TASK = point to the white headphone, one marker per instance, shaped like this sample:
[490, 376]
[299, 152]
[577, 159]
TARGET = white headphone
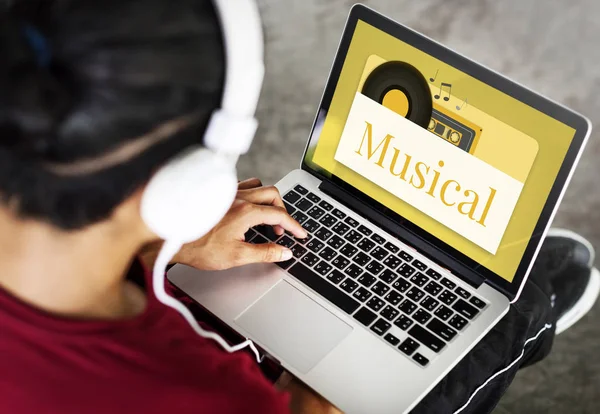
[192, 193]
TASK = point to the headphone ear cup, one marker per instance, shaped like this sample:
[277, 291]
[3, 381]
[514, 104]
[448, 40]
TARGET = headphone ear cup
[187, 197]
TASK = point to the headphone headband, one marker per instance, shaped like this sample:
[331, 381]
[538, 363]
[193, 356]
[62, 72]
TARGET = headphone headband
[233, 127]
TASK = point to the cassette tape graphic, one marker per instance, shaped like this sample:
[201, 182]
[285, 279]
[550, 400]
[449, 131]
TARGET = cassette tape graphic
[401, 88]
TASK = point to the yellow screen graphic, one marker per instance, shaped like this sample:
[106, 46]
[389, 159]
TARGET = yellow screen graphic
[505, 133]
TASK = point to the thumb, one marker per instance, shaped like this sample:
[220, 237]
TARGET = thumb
[263, 253]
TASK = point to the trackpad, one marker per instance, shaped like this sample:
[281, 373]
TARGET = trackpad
[293, 326]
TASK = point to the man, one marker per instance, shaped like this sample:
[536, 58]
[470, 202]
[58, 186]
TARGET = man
[80, 333]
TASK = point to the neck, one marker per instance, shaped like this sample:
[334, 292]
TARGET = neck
[78, 274]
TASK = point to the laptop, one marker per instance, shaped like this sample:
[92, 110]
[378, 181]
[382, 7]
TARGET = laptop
[427, 186]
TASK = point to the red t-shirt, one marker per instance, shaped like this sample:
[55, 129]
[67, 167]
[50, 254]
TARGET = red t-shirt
[153, 363]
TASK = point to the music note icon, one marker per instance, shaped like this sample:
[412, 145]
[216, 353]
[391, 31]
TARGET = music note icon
[434, 76]
[444, 85]
[466, 102]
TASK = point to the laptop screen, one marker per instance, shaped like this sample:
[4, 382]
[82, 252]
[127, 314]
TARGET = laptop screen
[458, 158]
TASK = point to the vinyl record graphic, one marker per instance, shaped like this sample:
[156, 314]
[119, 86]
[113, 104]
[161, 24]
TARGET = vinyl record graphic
[403, 89]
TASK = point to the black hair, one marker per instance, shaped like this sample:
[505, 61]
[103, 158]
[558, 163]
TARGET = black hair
[117, 70]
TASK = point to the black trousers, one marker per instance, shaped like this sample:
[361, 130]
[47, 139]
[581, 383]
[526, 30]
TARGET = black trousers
[523, 337]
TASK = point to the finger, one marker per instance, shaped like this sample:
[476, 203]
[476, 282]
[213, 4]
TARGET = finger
[249, 183]
[263, 195]
[262, 253]
[254, 215]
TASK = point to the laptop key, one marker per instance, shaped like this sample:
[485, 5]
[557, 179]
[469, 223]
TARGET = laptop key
[401, 285]
[419, 265]
[409, 346]
[389, 313]
[365, 316]
[443, 312]
[268, 232]
[300, 217]
[249, 235]
[405, 256]
[353, 236]
[310, 259]
[288, 207]
[407, 307]
[393, 297]
[301, 189]
[403, 322]
[366, 280]
[380, 288]
[374, 267]
[340, 228]
[349, 285]
[258, 239]
[458, 322]
[286, 264]
[392, 248]
[324, 288]
[339, 214]
[462, 293]
[361, 258]
[433, 288]
[292, 197]
[387, 276]
[426, 338]
[419, 279]
[379, 253]
[415, 294]
[340, 262]
[447, 297]
[448, 283]
[310, 225]
[325, 205]
[421, 316]
[477, 302]
[392, 262]
[323, 267]
[465, 309]
[429, 303]
[421, 360]
[323, 233]
[327, 254]
[375, 303]
[353, 271]
[298, 251]
[406, 270]
[362, 294]
[365, 230]
[381, 326]
[327, 220]
[348, 250]
[335, 242]
[312, 197]
[366, 245]
[391, 339]
[336, 277]
[378, 239]
[315, 245]
[303, 205]
[316, 212]
[351, 222]
[441, 329]
[433, 274]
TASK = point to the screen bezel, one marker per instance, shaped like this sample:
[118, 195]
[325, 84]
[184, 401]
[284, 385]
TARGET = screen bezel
[579, 123]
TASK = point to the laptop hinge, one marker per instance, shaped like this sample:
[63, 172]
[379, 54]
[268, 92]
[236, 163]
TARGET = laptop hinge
[402, 233]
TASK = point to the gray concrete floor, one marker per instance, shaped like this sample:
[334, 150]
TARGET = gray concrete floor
[548, 45]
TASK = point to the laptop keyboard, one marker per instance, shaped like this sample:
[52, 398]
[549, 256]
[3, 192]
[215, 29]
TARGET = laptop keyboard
[370, 278]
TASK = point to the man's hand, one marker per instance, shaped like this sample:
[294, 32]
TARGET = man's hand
[303, 399]
[224, 246]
